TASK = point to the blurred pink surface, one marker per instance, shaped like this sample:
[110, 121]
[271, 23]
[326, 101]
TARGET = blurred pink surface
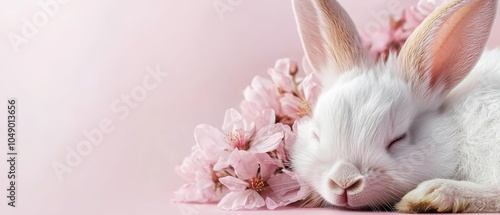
[67, 77]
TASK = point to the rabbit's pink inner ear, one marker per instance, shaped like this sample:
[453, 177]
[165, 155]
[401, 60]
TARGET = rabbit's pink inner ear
[448, 44]
[460, 42]
[329, 36]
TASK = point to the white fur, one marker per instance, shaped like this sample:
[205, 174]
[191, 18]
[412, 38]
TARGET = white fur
[474, 107]
[452, 143]
[355, 120]
[365, 109]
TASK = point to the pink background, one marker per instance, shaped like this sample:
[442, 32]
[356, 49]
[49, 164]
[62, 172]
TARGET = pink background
[91, 52]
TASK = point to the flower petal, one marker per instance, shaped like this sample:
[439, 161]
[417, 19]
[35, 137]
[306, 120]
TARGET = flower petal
[267, 165]
[264, 118]
[232, 120]
[288, 141]
[196, 192]
[189, 193]
[223, 161]
[210, 140]
[244, 163]
[284, 189]
[310, 88]
[234, 184]
[196, 162]
[263, 93]
[249, 109]
[247, 199]
[290, 105]
[267, 139]
[281, 74]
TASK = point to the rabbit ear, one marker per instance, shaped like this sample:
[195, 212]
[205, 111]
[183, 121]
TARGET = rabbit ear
[329, 36]
[448, 44]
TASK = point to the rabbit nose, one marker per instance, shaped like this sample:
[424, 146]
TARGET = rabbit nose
[345, 177]
[352, 186]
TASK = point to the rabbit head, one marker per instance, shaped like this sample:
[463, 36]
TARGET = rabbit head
[364, 146]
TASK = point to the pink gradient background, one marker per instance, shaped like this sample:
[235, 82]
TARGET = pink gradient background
[93, 51]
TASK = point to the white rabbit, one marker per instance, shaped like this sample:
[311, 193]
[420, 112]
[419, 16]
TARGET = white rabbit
[421, 130]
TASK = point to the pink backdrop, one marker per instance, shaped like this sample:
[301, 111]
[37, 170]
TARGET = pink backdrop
[81, 61]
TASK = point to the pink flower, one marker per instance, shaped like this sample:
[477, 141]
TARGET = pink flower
[413, 17]
[294, 97]
[299, 104]
[392, 37]
[256, 185]
[189, 163]
[202, 190]
[266, 139]
[261, 95]
[293, 106]
[210, 155]
[310, 88]
[284, 189]
[380, 39]
[283, 73]
[202, 186]
[284, 148]
[252, 171]
[210, 141]
[238, 133]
